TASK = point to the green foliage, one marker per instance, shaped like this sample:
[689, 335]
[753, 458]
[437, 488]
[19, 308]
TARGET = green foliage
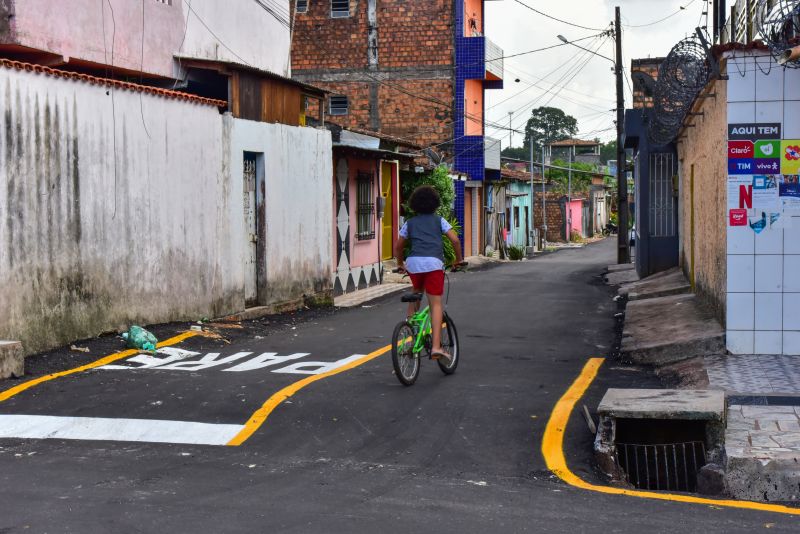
[575, 236]
[608, 151]
[547, 125]
[581, 182]
[440, 179]
[516, 252]
[520, 153]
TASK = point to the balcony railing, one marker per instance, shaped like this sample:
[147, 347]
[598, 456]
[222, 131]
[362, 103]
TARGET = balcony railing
[494, 60]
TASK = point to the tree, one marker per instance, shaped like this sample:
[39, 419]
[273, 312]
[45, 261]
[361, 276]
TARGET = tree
[516, 153]
[547, 125]
[608, 151]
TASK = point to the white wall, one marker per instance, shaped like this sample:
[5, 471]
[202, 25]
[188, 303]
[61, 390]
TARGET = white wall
[247, 33]
[298, 171]
[115, 208]
[763, 268]
[113, 31]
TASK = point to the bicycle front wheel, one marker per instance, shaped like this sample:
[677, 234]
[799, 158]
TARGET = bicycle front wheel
[449, 344]
[404, 361]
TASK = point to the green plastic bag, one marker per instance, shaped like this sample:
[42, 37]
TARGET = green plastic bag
[139, 338]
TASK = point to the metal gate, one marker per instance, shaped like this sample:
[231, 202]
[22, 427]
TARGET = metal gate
[671, 466]
[251, 229]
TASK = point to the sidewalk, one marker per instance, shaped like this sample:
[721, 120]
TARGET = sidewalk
[667, 327]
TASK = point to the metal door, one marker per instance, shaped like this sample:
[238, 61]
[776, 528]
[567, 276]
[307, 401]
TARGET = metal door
[251, 229]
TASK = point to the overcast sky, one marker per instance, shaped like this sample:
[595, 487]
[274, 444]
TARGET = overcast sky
[589, 96]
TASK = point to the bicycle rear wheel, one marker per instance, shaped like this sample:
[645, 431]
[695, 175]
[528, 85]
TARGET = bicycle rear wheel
[449, 344]
[404, 361]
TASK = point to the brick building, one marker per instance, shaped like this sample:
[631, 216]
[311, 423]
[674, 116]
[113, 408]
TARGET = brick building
[413, 69]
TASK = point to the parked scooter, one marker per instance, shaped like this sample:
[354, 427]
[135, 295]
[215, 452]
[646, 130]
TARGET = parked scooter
[610, 229]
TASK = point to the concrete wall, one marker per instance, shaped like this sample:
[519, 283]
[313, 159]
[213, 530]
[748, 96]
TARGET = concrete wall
[701, 154]
[118, 207]
[111, 32]
[298, 213]
[115, 208]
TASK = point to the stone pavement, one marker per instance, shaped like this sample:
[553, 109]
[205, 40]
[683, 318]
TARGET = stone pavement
[762, 438]
[742, 374]
[762, 444]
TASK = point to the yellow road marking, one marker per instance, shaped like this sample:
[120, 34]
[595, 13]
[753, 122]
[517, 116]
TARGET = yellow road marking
[260, 415]
[7, 394]
[553, 452]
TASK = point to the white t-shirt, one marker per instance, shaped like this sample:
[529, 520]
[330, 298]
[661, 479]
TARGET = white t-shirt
[424, 264]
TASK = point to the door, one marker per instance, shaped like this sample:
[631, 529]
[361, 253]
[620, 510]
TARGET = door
[387, 223]
[251, 229]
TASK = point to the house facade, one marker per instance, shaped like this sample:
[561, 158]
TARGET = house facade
[428, 89]
[183, 186]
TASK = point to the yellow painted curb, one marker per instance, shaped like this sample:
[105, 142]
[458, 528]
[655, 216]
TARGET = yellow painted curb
[260, 415]
[553, 452]
[7, 394]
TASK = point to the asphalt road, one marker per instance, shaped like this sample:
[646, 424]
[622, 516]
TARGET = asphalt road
[353, 452]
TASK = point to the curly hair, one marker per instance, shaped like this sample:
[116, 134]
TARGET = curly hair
[424, 200]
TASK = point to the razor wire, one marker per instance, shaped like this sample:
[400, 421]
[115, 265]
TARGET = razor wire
[681, 77]
[779, 25]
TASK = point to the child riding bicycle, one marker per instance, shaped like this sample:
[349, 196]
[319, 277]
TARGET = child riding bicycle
[425, 262]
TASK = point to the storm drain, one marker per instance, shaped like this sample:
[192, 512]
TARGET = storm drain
[671, 466]
[660, 439]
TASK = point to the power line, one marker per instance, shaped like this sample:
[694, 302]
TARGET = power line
[557, 19]
[680, 8]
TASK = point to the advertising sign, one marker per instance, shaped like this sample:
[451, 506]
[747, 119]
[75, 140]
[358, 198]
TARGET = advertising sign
[790, 156]
[768, 149]
[741, 166]
[738, 217]
[765, 193]
[754, 131]
[767, 166]
[740, 149]
[740, 192]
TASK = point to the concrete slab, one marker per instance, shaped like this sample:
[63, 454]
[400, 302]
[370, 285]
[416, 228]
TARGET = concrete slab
[669, 329]
[684, 404]
[12, 359]
[616, 267]
[671, 282]
[621, 277]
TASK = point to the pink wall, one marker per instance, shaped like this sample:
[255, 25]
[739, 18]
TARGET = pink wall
[473, 9]
[76, 29]
[364, 252]
[473, 96]
[577, 216]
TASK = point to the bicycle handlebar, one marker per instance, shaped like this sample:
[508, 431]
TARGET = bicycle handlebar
[455, 268]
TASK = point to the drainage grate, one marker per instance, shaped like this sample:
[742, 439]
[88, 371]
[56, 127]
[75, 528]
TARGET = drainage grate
[671, 466]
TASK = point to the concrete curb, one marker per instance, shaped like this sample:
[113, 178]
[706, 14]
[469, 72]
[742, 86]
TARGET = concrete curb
[12, 359]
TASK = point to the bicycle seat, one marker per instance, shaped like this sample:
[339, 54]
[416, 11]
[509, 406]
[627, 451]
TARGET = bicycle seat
[411, 297]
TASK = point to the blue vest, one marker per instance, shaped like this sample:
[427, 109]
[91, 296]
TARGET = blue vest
[425, 233]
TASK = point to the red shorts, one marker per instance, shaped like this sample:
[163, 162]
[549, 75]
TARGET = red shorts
[431, 282]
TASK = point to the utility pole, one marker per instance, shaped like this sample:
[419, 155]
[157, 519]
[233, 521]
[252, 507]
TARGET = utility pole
[569, 195]
[623, 252]
[510, 130]
[544, 203]
[529, 229]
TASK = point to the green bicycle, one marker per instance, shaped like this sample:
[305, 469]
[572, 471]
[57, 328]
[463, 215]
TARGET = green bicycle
[412, 338]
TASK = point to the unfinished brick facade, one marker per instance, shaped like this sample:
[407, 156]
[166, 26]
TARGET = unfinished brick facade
[554, 207]
[642, 95]
[398, 72]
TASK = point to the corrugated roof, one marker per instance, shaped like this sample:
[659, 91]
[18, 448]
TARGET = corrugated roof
[107, 82]
[574, 142]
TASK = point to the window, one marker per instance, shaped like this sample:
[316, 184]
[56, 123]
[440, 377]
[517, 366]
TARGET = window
[365, 228]
[302, 6]
[340, 9]
[516, 216]
[338, 105]
[165, 2]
